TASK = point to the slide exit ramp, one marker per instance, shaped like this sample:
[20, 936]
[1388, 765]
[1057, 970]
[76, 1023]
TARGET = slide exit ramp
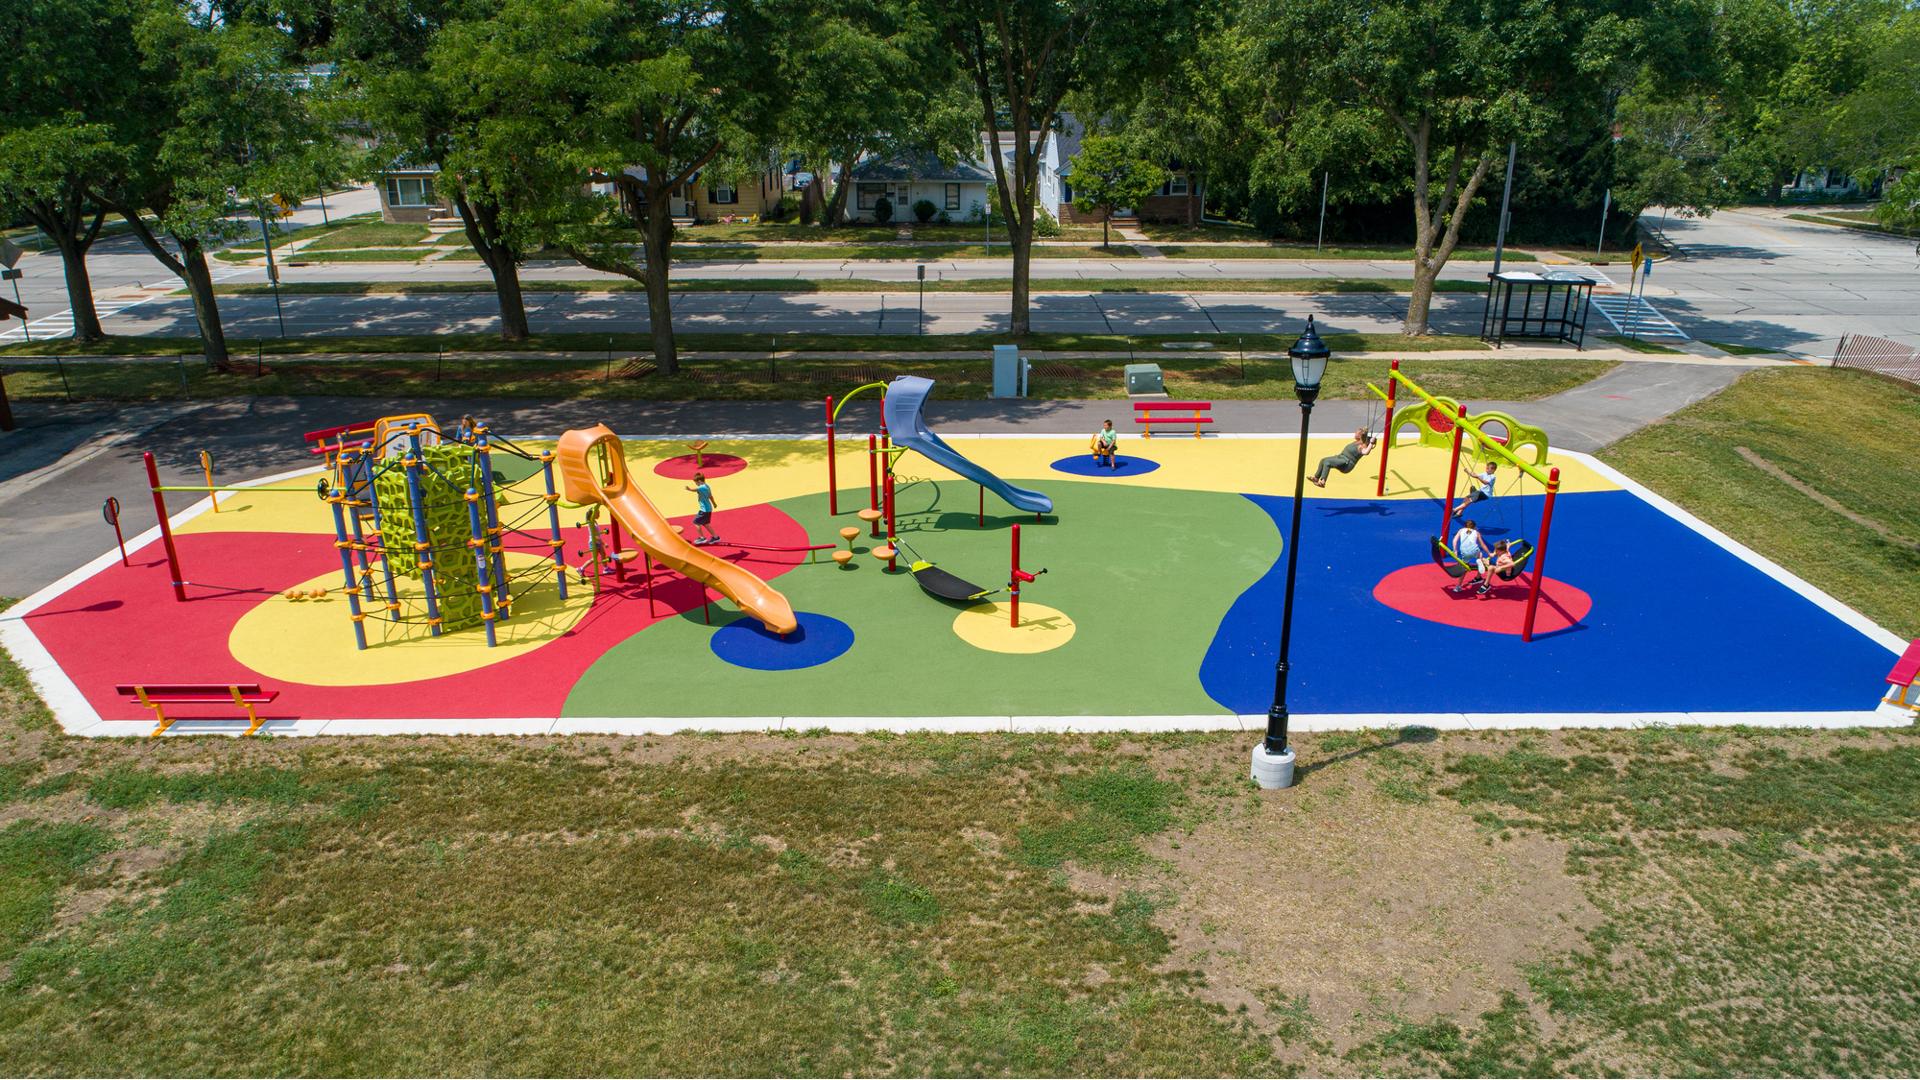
[905, 398]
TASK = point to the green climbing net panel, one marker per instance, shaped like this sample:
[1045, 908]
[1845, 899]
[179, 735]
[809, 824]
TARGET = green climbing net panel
[444, 486]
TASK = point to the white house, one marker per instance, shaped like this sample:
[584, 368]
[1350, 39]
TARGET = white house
[961, 191]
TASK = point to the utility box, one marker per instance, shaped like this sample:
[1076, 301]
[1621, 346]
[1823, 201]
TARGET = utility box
[1009, 372]
[1143, 379]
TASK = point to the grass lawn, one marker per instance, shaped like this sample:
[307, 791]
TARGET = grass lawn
[367, 234]
[1864, 220]
[1640, 345]
[862, 285]
[1149, 344]
[1638, 902]
[1825, 486]
[804, 378]
[907, 252]
[1738, 350]
[355, 255]
[1305, 251]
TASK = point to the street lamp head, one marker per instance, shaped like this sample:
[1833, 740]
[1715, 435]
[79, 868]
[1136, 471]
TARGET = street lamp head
[1309, 357]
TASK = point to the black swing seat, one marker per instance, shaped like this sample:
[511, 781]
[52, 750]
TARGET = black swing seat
[941, 585]
[1456, 567]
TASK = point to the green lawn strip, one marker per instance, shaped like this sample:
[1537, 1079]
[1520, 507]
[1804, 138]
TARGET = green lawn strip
[1640, 345]
[1143, 345]
[788, 378]
[896, 624]
[1860, 540]
[366, 234]
[357, 255]
[1737, 349]
[861, 285]
[1864, 223]
[1302, 251]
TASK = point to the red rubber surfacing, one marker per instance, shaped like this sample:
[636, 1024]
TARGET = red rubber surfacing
[683, 468]
[122, 625]
[1421, 591]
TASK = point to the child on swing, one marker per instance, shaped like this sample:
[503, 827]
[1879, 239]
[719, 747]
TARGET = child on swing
[1346, 459]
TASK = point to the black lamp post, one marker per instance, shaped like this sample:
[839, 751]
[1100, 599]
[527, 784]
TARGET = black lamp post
[1272, 760]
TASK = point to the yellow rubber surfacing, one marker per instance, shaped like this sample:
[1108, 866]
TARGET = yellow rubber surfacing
[989, 626]
[311, 641]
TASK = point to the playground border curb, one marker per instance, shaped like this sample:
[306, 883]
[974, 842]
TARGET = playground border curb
[78, 717]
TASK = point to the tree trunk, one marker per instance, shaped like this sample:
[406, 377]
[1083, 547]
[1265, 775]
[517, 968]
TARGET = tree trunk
[1021, 240]
[1421, 299]
[506, 285]
[1106, 237]
[482, 227]
[659, 235]
[836, 209]
[73, 260]
[206, 307]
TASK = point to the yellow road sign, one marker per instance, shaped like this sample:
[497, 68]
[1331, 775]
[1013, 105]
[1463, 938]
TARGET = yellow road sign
[1637, 258]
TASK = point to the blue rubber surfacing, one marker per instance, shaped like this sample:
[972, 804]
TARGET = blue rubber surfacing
[1084, 465]
[745, 643]
[1678, 624]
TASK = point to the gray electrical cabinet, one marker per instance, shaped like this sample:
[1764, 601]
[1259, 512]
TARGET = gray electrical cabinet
[1009, 372]
[1144, 379]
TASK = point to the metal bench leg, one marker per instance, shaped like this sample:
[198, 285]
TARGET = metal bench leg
[252, 716]
[160, 715]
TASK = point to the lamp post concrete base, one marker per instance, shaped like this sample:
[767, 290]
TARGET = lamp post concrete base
[1272, 770]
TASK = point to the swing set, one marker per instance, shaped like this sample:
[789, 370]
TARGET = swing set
[1486, 448]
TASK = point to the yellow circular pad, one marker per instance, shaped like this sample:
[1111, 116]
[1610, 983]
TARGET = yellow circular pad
[987, 626]
[312, 641]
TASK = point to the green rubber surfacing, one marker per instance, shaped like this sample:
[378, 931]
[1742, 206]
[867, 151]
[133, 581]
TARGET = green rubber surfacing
[1146, 574]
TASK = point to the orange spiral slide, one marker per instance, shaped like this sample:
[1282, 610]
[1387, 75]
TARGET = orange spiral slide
[593, 469]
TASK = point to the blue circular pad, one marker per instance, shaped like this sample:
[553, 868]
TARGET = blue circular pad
[745, 643]
[1083, 465]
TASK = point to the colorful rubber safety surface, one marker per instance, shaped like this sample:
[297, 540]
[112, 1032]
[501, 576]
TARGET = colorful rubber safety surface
[1160, 607]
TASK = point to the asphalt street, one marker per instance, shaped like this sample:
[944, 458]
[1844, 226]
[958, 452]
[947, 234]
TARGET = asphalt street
[1747, 277]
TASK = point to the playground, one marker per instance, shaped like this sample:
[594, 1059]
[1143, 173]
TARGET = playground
[404, 576]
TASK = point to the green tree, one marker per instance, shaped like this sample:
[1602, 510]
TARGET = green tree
[64, 84]
[1876, 126]
[639, 96]
[223, 127]
[869, 78]
[1441, 86]
[405, 75]
[1024, 57]
[1109, 173]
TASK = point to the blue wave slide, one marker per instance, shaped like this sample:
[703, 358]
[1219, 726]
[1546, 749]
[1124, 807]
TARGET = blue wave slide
[905, 397]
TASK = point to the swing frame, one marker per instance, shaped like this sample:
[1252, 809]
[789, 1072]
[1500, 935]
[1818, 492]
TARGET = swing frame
[1462, 426]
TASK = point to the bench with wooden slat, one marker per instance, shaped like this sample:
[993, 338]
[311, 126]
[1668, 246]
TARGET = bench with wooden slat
[1148, 413]
[157, 696]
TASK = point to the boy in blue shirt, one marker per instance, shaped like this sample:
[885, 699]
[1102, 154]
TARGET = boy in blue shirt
[703, 518]
[1470, 548]
[1482, 488]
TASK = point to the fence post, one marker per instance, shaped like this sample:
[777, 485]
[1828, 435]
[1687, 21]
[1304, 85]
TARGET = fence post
[64, 385]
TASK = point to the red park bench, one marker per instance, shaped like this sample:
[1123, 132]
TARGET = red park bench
[157, 696]
[1147, 413]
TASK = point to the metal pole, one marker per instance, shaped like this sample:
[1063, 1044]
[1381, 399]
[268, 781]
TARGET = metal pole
[1453, 471]
[1540, 554]
[337, 499]
[1606, 203]
[1276, 742]
[273, 272]
[873, 480]
[1386, 434]
[166, 528]
[1500, 241]
[26, 328]
[323, 205]
[555, 541]
[833, 483]
[1324, 185]
[1013, 579]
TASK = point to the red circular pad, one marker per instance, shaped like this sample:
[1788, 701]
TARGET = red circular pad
[683, 467]
[1421, 591]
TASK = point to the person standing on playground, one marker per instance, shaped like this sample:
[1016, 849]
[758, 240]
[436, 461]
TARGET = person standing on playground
[1482, 488]
[703, 518]
[1106, 446]
[1346, 459]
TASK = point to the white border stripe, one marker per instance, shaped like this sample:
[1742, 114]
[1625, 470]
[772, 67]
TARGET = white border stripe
[78, 717]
